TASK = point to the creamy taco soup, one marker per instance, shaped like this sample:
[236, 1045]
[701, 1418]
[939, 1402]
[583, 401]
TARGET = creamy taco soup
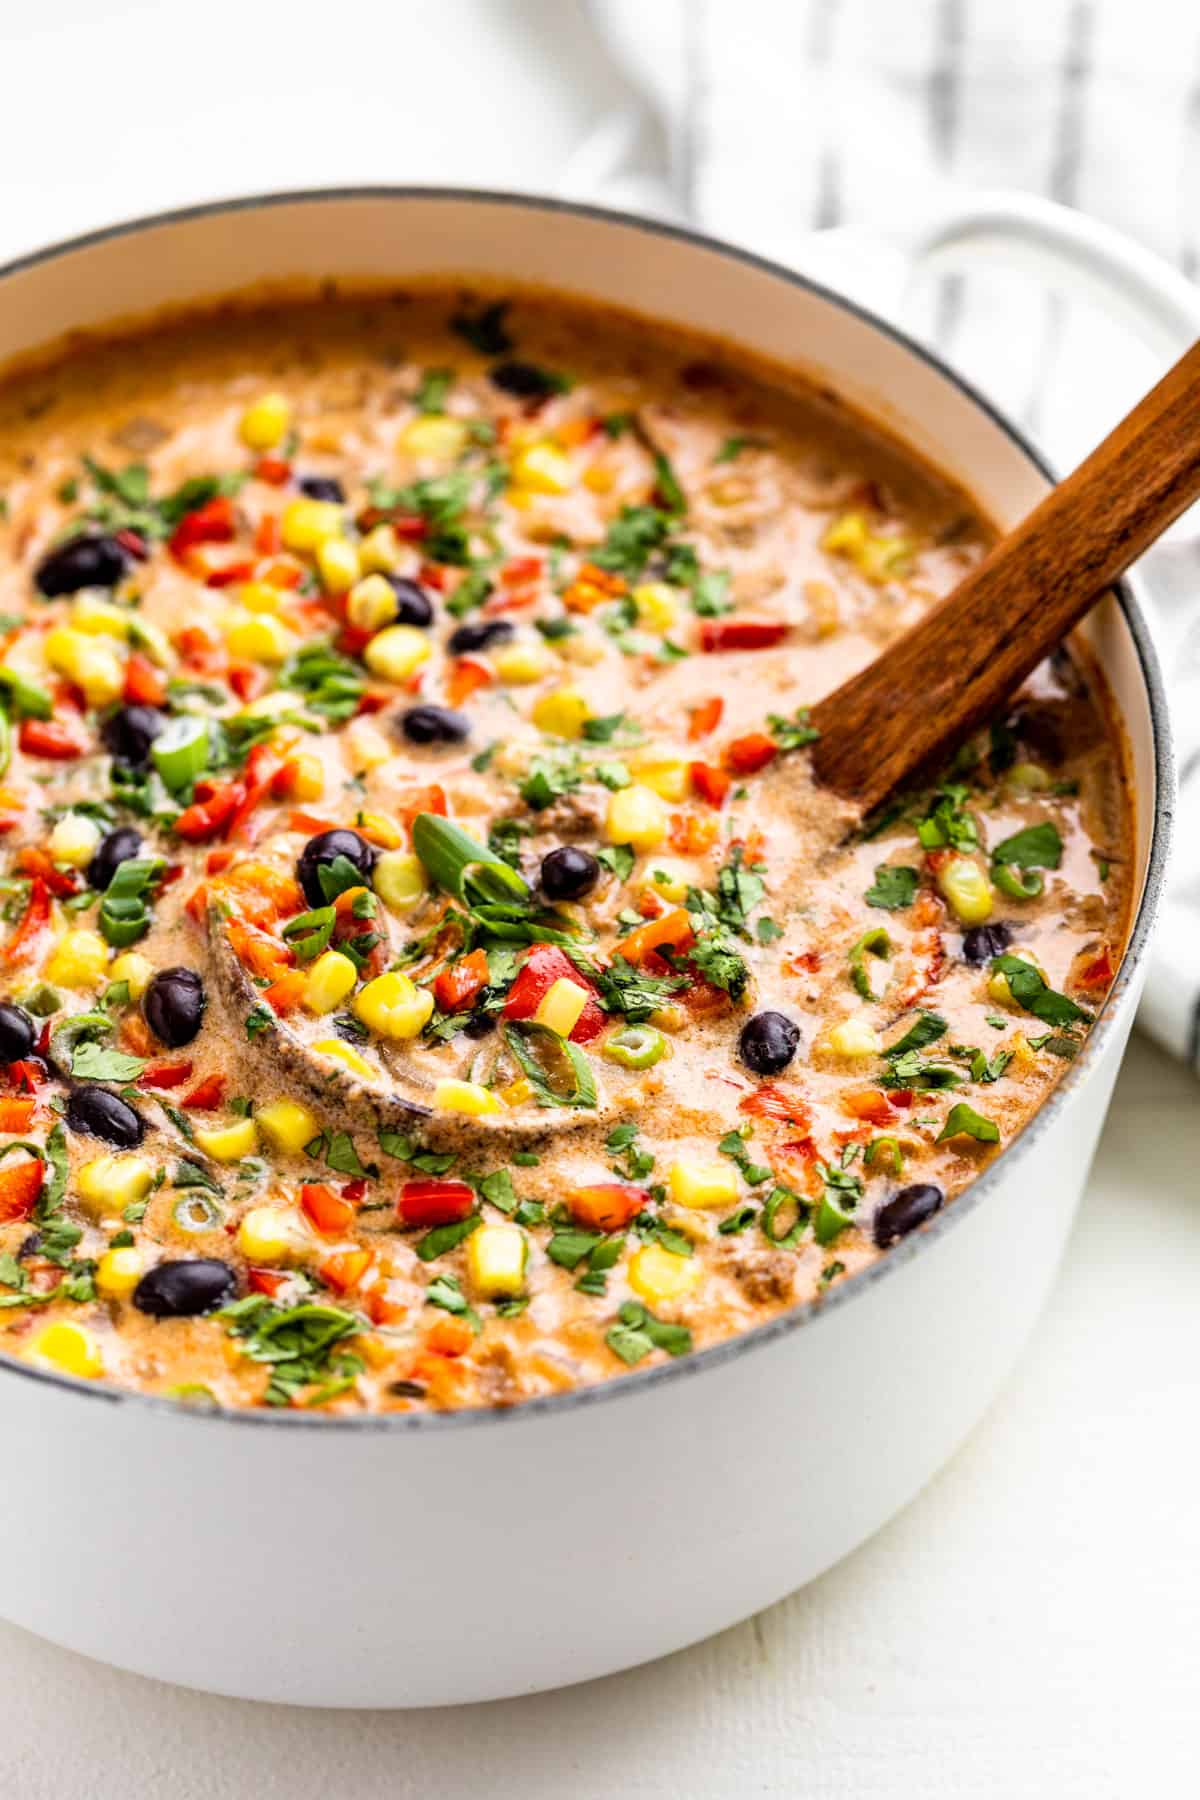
[430, 977]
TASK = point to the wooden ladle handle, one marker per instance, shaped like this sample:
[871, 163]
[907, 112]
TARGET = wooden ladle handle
[954, 669]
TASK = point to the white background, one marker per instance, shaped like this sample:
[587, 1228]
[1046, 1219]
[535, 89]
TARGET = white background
[1031, 1625]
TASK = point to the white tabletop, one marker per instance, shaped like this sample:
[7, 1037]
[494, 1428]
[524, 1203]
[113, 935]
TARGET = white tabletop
[1031, 1625]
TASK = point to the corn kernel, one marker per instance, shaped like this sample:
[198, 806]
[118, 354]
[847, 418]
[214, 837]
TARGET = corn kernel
[229, 1143]
[668, 777]
[703, 1184]
[518, 1092]
[584, 647]
[658, 1276]
[669, 1018]
[465, 1097]
[257, 637]
[371, 603]
[365, 747]
[1023, 1053]
[848, 534]
[560, 1006]
[307, 523]
[392, 1006]
[338, 565]
[670, 881]
[286, 1125]
[964, 884]
[99, 618]
[261, 597]
[305, 777]
[349, 1058]
[657, 605]
[563, 713]
[854, 1037]
[136, 970]
[78, 960]
[380, 552]
[266, 422]
[394, 654]
[67, 1348]
[543, 469]
[328, 982]
[74, 840]
[521, 664]
[272, 1235]
[110, 1183]
[998, 988]
[87, 661]
[118, 1272]
[496, 1258]
[382, 829]
[636, 816]
[601, 478]
[433, 435]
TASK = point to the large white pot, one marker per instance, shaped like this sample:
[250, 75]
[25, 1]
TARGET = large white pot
[412, 1561]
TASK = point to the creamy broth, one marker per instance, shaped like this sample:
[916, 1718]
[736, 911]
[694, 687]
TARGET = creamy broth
[597, 1034]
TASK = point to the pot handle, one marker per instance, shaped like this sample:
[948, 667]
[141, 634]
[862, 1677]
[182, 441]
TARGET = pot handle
[1065, 249]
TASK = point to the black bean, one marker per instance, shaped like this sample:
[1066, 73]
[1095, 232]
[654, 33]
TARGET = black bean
[173, 1006]
[524, 379]
[569, 873]
[18, 1033]
[326, 848]
[435, 725]
[118, 847]
[982, 942]
[103, 1115]
[905, 1211]
[321, 487]
[767, 1042]
[128, 734]
[479, 1025]
[90, 560]
[477, 634]
[180, 1290]
[413, 605]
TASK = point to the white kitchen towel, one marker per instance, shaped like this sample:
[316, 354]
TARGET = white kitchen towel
[765, 121]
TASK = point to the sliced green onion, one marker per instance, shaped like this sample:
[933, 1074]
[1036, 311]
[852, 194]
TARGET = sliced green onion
[27, 700]
[194, 1211]
[309, 934]
[635, 1046]
[884, 1147]
[875, 942]
[832, 1218]
[584, 1093]
[5, 742]
[463, 866]
[181, 751]
[776, 1201]
[124, 915]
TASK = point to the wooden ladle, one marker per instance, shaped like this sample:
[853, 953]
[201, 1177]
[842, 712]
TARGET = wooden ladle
[954, 669]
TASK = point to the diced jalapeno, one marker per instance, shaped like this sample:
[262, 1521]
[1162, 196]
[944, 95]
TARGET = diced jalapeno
[635, 1046]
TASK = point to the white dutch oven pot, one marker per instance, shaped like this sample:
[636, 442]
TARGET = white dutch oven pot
[414, 1561]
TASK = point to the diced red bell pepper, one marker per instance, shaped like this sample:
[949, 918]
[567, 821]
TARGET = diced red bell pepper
[213, 523]
[211, 812]
[773, 1102]
[144, 684]
[434, 1202]
[268, 537]
[457, 986]
[706, 717]
[354, 1190]
[464, 677]
[285, 994]
[16, 1115]
[673, 930]
[47, 737]
[26, 1074]
[20, 1186]
[747, 755]
[134, 542]
[33, 922]
[712, 784]
[742, 634]
[607, 1206]
[206, 1094]
[274, 470]
[265, 1281]
[868, 1104]
[61, 882]
[165, 1075]
[544, 965]
[326, 1211]
[449, 1336]
[1097, 973]
[246, 680]
[262, 765]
